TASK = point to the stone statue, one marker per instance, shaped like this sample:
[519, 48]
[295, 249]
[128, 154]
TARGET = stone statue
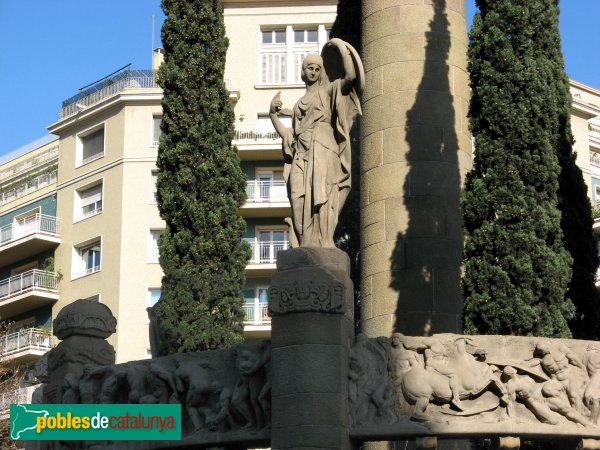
[317, 149]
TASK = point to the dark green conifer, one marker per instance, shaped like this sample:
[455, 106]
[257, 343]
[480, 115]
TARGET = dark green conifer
[516, 267]
[200, 185]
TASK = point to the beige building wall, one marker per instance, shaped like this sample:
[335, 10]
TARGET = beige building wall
[15, 171]
[243, 23]
[125, 221]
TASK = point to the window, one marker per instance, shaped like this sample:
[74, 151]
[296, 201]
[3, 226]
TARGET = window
[256, 305]
[88, 201]
[153, 254]
[88, 257]
[152, 299]
[152, 187]
[90, 146]
[270, 243]
[283, 50]
[156, 131]
[269, 186]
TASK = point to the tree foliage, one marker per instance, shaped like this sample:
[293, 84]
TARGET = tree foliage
[516, 267]
[200, 185]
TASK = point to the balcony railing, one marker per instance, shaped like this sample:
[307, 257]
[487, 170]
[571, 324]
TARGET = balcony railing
[257, 314]
[265, 252]
[28, 339]
[265, 191]
[127, 79]
[254, 136]
[36, 223]
[28, 281]
[27, 187]
[29, 163]
[21, 395]
[595, 130]
[595, 159]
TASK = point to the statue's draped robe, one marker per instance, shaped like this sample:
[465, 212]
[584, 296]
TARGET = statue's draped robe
[318, 175]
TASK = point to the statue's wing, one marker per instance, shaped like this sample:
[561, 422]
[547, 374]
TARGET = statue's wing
[334, 68]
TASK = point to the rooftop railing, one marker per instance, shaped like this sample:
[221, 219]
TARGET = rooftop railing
[27, 339]
[128, 79]
[266, 191]
[28, 281]
[34, 224]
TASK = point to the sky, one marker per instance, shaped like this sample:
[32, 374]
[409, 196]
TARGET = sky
[51, 48]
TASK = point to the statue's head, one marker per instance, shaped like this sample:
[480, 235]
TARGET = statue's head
[312, 68]
[542, 348]
[509, 371]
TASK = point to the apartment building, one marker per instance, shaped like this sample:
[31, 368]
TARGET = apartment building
[29, 234]
[104, 181]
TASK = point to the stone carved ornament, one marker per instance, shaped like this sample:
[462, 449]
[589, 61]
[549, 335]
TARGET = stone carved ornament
[222, 392]
[467, 385]
[316, 149]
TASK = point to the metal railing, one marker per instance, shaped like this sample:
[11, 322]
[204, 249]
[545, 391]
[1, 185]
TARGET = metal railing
[27, 281]
[27, 339]
[28, 187]
[20, 395]
[30, 163]
[255, 136]
[265, 191]
[257, 314]
[129, 79]
[36, 223]
[265, 252]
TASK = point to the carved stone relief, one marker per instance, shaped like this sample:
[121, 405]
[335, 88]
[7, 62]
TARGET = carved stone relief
[466, 385]
[224, 394]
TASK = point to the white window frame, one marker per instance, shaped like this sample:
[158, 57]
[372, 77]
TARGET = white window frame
[78, 213]
[79, 267]
[153, 141]
[257, 307]
[258, 251]
[149, 300]
[79, 143]
[153, 251]
[152, 179]
[293, 52]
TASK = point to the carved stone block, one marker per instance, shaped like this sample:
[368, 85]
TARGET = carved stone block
[451, 385]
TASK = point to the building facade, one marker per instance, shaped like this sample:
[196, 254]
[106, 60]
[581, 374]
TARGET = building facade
[78, 213]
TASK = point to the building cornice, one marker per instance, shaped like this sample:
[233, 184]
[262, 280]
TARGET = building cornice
[125, 97]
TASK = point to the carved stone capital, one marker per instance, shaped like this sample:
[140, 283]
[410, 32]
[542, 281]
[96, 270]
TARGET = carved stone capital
[310, 280]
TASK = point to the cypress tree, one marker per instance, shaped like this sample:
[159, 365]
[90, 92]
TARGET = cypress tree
[516, 267]
[200, 185]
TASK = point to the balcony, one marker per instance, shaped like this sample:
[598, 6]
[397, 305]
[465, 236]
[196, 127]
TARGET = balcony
[25, 345]
[257, 314]
[27, 187]
[20, 395]
[28, 236]
[26, 291]
[256, 145]
[264, 256]
[595, 159]
[266, 199]
[257, 323]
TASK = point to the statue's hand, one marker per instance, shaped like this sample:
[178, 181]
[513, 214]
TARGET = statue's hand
[276, 104]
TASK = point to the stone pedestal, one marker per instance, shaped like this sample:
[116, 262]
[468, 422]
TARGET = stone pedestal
[311, 303]
[416, 149]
